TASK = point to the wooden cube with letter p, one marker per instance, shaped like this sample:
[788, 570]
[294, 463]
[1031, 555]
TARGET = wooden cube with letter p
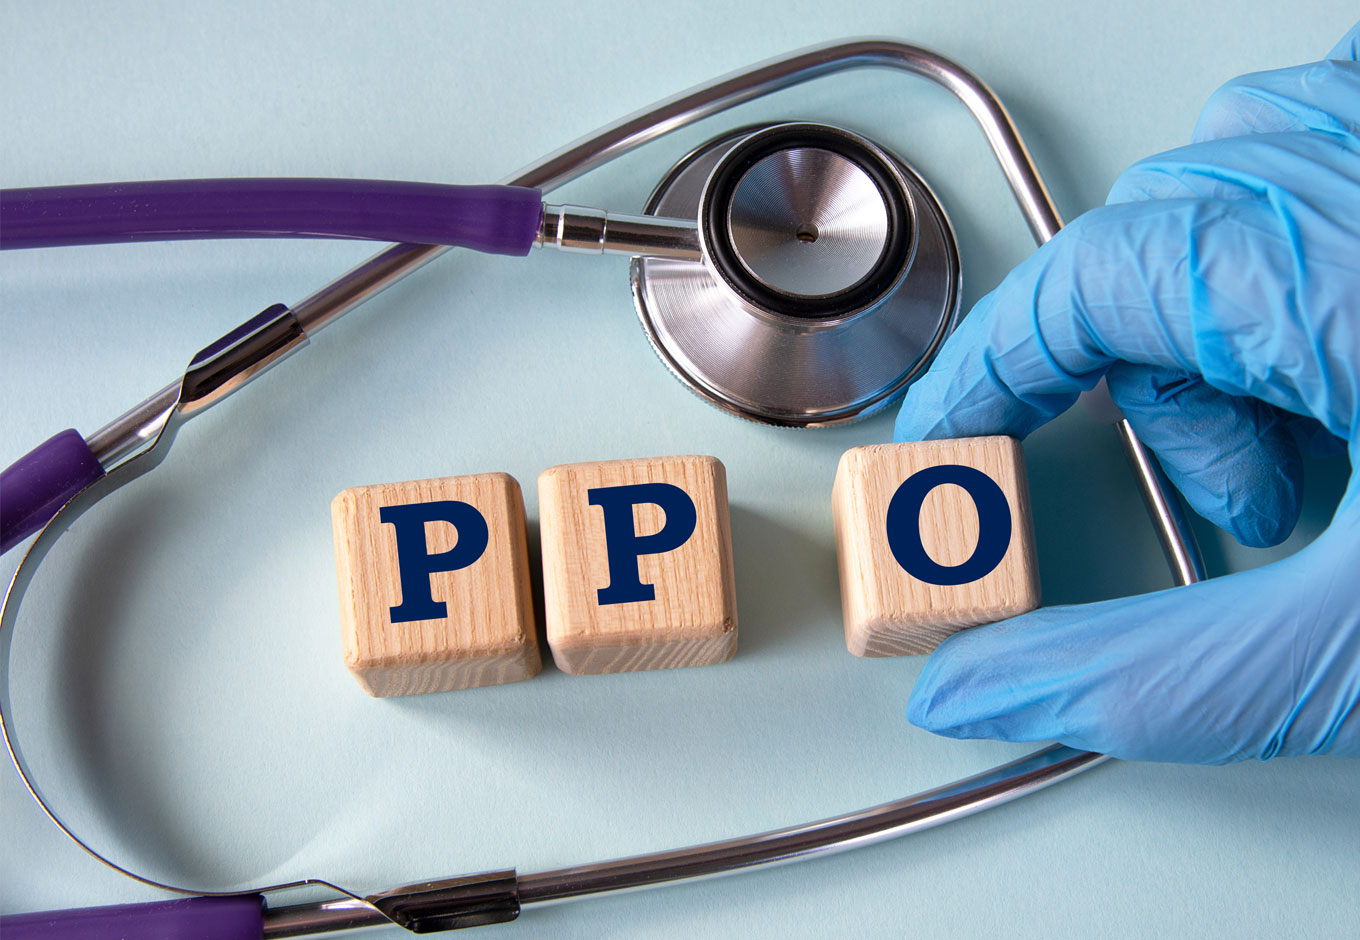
[434, 584]
[637, 564]
[931, 538]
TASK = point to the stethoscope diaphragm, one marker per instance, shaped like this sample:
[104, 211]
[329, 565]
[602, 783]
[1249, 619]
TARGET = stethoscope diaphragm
[830, 275]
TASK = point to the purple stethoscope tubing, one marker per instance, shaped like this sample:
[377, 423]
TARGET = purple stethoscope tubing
[500, 220]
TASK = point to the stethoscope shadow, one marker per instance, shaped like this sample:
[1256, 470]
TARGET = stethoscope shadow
[119, 795]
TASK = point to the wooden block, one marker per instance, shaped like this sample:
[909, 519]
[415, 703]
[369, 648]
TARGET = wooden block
[637, 564]
[931, 538]
[434, 584]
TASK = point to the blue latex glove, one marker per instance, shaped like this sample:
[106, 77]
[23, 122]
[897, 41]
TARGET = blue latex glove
[1219, 293]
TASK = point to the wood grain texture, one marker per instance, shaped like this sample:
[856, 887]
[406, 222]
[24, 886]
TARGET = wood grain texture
[488, 636]
[693, 619]
[887, 611]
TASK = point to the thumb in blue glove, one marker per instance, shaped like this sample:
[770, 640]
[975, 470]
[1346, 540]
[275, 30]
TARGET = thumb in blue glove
[1218, 292]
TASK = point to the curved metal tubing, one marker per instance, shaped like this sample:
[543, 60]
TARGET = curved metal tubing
[158, 420]
[764, 850]
[839, 834]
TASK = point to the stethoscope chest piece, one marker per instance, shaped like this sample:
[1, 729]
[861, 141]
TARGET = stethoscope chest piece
[829, 279]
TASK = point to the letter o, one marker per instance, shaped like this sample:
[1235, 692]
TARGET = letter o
[904, 525]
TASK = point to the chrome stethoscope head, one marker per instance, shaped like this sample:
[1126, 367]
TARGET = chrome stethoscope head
[829, 275]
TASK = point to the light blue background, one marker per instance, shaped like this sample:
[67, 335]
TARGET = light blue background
[179, 677]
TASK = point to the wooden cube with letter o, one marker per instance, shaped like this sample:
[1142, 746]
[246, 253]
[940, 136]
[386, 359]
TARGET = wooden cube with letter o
[931, 538]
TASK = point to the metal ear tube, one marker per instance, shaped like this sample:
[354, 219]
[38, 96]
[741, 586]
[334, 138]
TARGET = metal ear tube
[712, 228]
[596, 232]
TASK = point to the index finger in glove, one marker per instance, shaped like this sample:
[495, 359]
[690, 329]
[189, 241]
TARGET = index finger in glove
[1204, 287]
[1319, 96]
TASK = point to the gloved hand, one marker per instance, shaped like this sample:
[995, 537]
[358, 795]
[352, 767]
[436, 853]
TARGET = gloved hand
[1218, 291]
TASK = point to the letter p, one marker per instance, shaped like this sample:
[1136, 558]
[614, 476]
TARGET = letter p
[416, 563]
[624, 546]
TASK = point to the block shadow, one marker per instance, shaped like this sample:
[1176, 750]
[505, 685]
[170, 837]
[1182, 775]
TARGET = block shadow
[788, 588]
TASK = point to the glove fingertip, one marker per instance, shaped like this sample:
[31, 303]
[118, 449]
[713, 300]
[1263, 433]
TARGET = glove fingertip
[919, 713]
[921, 416]
[1022, 724]
[961, 694]
[1256, 530]
[1232, 458]
[934, 715]
[1262, 507]
[933, 693]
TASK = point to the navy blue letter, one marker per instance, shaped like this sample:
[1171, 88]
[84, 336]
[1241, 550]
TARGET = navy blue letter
[416, 564]
[624, 545]
[904, 524]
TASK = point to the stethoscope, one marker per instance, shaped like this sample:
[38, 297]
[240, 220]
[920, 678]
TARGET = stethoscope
[794, 274]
